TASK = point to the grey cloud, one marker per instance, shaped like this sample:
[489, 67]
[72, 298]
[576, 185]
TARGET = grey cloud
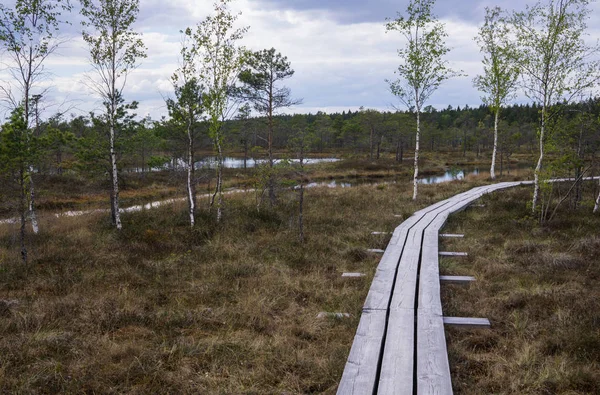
[356, 11]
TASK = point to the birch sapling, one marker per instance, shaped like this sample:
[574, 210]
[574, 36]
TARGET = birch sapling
[28, 34]
[115, 49]
[423, 68]
[220, 58]
[186, 111]
[556, 63]
[499, 80]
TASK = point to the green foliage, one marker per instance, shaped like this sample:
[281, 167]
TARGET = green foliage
[114, 47]
[423, 68]
[220, 59]
[262, 71]
[500, 71]
[29, 34]
[17, 146]
[552, 53]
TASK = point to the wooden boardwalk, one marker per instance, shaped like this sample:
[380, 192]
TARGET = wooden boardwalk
[400, 345]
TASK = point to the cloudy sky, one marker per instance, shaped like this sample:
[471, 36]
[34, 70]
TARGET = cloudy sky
[338, 48]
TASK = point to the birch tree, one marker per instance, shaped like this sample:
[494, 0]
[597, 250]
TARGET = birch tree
[423, 68]
[186, 111]
[29, 35]
[499, 81]
[220, 60]
[114, 52]
[263, 72]
[555, 61]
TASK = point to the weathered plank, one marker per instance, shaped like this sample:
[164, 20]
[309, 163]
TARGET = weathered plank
[378, 297]
[457, 279]
[403, 296]
[451, 253]
[467, 322]
[360, 372]
[376, 250]
[397, 365]
[381, 233]
[429, 280]
[433, 368]
[353, 275]
[450, 235]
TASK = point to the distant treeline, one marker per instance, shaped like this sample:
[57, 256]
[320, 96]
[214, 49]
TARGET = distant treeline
[79, 143]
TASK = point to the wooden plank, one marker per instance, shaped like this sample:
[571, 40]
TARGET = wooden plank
[353, 275]
[378, 297]
[406, 280]
[360, 372]
[397, 367]
[451, 253]
[467, 322]
[429, 279]
[433, 368]
[376, 250]
[381, 233]
[327, 314]
[457, 279]
[398, 356]
[450, 235]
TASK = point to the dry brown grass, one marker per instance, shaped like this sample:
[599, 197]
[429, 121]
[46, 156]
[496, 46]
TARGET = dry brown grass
[540, 288]
[231, 307]
[227, 308]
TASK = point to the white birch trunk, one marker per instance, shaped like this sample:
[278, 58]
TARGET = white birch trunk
[538, 168]
[115, 186]
[219, 181]
[32, 215]
[415, 183]
[493, 168]
[190, 170]
[597, 205]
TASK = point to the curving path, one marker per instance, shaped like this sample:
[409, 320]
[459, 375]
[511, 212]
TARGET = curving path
[400, 345]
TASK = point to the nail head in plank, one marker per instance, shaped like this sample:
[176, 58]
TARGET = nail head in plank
[457, 279]
[353, 274]
[324, 314]
[467, 322]
[451, 253]
[376, 250]
[451, 235]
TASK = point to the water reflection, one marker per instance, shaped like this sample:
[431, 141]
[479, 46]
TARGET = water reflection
[238, 163]
[229, 162]
[450, 175]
